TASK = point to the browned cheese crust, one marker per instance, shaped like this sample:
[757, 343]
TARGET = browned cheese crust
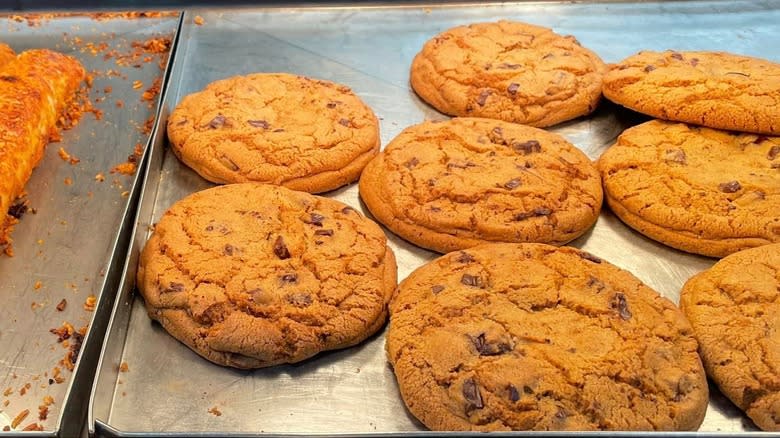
[252, 275]
[509, 71]
[734, 309]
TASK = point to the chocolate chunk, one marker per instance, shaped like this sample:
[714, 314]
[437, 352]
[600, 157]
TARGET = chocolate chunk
[488, 66]
[217, 122]
[760, 139]
[182, 122]
[514, 395]
[774, 151]
[411, 163]
[694, 62]
[173, 287]
[315, 219]
[471, 280]
[482, 98]
[485, 348]
[62, 304]
[280, 249]
[675, 155]
[527, 389]
[760, 194]
[300, 299]
[278, 130]
[649, 68]
[228, 249]
[465, 165]
[345, 122]
[332, 105]
[18, 210]
[512, 88]
[750, 395]
[347, 210]
[465, 257]
[595, 282]
[588, 256]
[527, 147]
[437, 288]
[729, 187]
[561, 414]
[775, 166]
[326, 232]
[509, 66]
[259, 123]
[513, 183]
[677, 56]
[738, 73]
[472, 395]
[227, 162]
[620, 303]
[548, 56]
[539, 211]
[289, 278]
[9, 78]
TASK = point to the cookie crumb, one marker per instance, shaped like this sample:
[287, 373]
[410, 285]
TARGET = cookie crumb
[62, 304]
[33, 427]
[37, 285]
[123, 367]
[68, 181]
[215, 411]
[137, 84]
[19, 418]
[100, 177]
[89, 303]
[198, 20]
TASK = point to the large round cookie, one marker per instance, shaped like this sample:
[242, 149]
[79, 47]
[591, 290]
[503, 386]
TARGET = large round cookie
[253, 275]
[509, 71]
[734, 309]
[535, 337]
[696, 189]
[455, 184]
[304, 134]
[715, 89]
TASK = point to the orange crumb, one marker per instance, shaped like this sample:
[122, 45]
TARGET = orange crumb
[108, 89]
[123, 367]
[63, 154]
[89, 304]
[68, 181]
[137, 84]
[19, 418]
[8, 391]
[126, 168]
[37, 285]
[119, 104]
[215, 411]
[199, 20]
[48, 400]
[100, 177]
[33, 426]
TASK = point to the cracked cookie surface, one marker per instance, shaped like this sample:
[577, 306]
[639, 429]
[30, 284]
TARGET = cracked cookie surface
[700, 190]
[458, 183]
[715, 89]
[252, 275]
[535, 337]
[509, 71]
[734, 309]
[301, 133]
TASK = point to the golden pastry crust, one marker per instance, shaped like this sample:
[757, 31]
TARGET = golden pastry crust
[510, 71]
[301, 133]
[734, 308]
[455, 184]
[253, 275]
[696, 189]
[715, 89]
[534, 337]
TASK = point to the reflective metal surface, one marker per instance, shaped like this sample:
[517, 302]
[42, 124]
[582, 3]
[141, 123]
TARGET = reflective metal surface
[168, 388]
[65, 250]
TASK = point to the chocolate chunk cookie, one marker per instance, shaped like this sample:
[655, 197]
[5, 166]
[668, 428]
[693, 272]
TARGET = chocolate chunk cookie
[716, 89]
[509, 71]
[253, 275]
[734, 309]
[455, 184]
[696, 189]
[304, 134]
[535, 337]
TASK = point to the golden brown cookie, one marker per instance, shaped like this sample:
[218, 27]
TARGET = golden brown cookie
[509, 71]
[252, 275]
[535, 337]
[304, 134]
[696, 189]
[734, 309]
[716, 89]
[455, 184]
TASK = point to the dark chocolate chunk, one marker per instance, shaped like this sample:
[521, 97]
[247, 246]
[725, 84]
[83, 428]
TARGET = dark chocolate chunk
[620, 303]
[280, 249]
[465, 165]
[482, 98]
[436, 288]
[513, 183]
[471, 280]
[332, 105]
[347, 210]
[512, 88]
[227, 162]
[259, 123]
[173, 287]
[527, 147]
[278, 130]
[677, 56]
[750, 395]
[411, 163]
[289, 278]
[326, 232]
[595, 282]
[472, 395]
[9, 78]
[514, 395]
[760, 139]
[774, 151]
[300, 299]
[18, 210]
[345, 122]
[485, 348]
[694, 61]
[228, 249]
[561, 414]
[548, 56]
[509, 66]
[730, 187]
[527, 389]
[315, 219]
[62, 304]
[675, 155]
[217, 122]
[649, 68]
[588, 256]
[465, 257]
[539, 211]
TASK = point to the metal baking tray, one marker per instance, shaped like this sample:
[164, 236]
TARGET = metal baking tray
[74, 245]
[167, 389]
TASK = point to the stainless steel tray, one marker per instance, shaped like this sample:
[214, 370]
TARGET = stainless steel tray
[169, 389]
[74, 246]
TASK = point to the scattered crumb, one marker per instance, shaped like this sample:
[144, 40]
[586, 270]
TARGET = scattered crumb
[40, 241]
[62, 304]
[126, 168]
[198, 20]
[56, 375]
[124, 194]
[137, 84]
[43, 412]
[120, 103]
[33, 426]
[123, 367]
[107, 89]
[215, 412]
[89, 303]
[37, 285]
[67, 157]
[6, 402]
[8, 391]
[19, 418]
[152, 91]
[48, 400]
[23, 389]
[100, 177]
[68, 181]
